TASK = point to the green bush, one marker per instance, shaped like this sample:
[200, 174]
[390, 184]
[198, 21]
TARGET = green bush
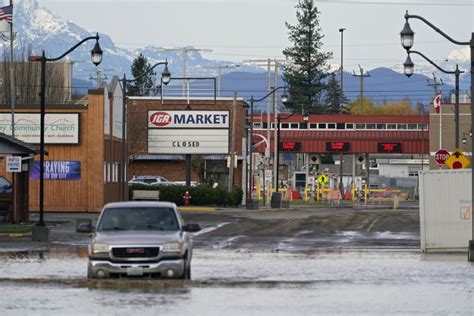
[200, 195]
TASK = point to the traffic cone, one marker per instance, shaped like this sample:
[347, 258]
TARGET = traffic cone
[347, 196]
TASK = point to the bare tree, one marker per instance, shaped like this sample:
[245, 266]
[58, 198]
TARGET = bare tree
[27, 78]
[137, 132]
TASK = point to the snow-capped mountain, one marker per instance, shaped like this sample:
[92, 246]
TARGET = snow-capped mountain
[39, 29]
[460, 57]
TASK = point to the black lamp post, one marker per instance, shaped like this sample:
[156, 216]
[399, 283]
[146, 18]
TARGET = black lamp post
[409, 68]
[96, 56]
[284, 99]
[165, 78]
[407, 37]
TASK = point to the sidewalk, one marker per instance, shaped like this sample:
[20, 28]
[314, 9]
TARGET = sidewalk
[62, 232]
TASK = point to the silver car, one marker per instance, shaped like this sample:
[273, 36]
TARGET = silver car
[150, 180]
[141, 239]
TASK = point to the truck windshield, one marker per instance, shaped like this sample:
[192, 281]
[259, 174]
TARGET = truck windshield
[138, 218]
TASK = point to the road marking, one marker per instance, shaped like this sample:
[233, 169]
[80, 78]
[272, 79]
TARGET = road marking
[371, 225]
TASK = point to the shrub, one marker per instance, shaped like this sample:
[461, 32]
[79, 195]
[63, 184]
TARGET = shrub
[200, 195]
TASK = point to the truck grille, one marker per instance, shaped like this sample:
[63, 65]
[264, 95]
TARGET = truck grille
[135, 252]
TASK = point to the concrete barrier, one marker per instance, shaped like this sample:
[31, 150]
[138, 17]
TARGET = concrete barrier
[145, 195]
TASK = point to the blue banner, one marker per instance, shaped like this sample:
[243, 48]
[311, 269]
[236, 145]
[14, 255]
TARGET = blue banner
[57, 170]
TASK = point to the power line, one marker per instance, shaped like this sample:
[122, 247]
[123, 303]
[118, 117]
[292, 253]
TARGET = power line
[466, 4]
[283, 46]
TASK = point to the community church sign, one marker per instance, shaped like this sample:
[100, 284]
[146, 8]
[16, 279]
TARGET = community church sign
[188, 132]
[59, 128]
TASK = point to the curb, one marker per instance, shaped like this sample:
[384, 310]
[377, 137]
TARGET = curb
[197, 209]
[13, 235]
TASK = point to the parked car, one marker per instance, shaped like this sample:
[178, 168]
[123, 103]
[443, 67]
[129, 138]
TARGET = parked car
[150, 180]
[193, 183]
[6, 197]
[140, 239]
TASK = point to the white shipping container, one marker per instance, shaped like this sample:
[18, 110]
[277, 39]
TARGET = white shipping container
[445, 210]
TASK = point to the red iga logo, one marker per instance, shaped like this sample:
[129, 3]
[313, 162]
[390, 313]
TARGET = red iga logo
[160, 119]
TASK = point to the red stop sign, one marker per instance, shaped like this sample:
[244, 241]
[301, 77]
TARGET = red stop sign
[441, 155]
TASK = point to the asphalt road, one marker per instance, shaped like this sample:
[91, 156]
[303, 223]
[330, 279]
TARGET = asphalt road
[306, 228]
[290, 230]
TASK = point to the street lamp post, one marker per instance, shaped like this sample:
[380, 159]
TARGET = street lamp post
[342, 56]
[464, 139]
[96, 56]
[284, 99]
[409, 68]
[305, 119]
[407, 38]
[165, 77]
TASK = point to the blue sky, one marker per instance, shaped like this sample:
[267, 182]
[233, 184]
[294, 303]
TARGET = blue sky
[255, 29]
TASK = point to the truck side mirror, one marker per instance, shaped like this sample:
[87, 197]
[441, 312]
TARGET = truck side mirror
[85, 228]
[192, 228]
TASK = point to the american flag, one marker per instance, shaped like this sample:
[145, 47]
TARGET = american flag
[437, 102]
[6, 13]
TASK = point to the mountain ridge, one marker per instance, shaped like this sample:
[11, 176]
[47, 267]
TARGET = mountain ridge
[41, 29]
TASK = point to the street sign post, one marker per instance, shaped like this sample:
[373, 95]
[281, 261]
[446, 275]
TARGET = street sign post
[13, 163]
[441, 156]
[323, 179]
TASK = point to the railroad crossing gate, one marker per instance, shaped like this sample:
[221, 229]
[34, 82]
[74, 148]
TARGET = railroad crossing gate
[457, 160]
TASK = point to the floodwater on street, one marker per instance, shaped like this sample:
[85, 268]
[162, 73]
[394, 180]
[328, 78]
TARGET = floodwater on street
[231, 282]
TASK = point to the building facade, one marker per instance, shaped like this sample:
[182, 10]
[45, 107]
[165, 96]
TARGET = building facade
[82, 164]
[161, 132]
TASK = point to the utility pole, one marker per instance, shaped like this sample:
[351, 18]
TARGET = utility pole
[232, 145]
[99, 73]
[361, 100]
[219, 68]
[435, 85]
[100, 76]
[184, 58]
[269, 62]
[361, 76]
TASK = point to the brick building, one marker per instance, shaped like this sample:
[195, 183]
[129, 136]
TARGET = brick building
[203, 129]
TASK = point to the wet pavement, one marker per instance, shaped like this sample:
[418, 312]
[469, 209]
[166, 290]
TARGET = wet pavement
[300, 262]
[231, 282]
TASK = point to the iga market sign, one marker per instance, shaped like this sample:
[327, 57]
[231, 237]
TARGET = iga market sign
[188, 132]
[57, 170]
[59, 128]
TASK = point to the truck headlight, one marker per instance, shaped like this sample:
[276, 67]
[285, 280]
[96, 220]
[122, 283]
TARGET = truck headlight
[98, 248]
[172, 247]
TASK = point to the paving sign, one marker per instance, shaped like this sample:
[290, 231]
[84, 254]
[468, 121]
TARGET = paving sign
[57, 170]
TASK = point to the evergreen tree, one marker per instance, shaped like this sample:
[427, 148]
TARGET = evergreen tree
[142, 86]
[305, 74]
[334, 99]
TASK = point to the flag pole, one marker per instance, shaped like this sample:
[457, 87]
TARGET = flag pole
[12, 74]
[440, 124]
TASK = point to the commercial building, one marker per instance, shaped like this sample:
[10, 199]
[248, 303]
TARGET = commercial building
[162, 132]
[82, 142]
